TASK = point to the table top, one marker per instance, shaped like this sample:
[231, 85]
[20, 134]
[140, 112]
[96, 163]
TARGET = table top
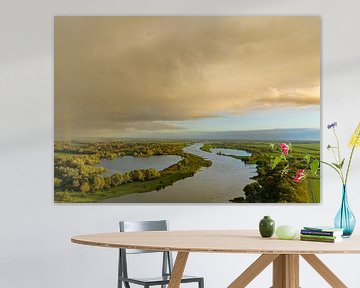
[216, 241]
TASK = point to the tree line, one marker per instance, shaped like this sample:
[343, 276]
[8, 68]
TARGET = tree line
[78, 173]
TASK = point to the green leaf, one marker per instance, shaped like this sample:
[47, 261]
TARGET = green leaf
[336, 165]
[276, 161]
[307, 158]
[342, 163]
[314, 167]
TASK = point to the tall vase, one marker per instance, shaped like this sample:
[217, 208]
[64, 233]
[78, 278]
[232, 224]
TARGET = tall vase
[345, 219]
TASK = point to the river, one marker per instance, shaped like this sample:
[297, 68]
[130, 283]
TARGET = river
[223, 181]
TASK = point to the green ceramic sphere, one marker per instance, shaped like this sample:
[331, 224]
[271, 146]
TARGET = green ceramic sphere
[285, 232]
[266, 227]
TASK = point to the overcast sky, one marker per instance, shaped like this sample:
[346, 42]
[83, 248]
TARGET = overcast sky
[143, 76]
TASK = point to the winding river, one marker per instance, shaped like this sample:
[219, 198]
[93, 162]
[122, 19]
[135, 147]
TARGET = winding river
[223, 181]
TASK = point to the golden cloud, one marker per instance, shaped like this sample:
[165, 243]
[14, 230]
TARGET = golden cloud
[117, 73]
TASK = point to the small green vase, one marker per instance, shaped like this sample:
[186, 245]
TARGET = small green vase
[267, 227]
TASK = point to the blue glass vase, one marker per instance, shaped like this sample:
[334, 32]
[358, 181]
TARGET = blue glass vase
[345, 219]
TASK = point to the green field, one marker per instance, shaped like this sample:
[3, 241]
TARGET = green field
[313, 185]
[299, 148]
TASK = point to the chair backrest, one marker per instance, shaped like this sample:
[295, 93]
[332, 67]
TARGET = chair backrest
[137, 226]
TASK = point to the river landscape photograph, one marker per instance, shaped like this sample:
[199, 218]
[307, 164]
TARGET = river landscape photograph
[187, 109]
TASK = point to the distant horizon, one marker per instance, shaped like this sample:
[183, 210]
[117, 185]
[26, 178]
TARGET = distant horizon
[311, 134]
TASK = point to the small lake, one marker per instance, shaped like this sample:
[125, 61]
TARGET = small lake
[129, 163]
[230, 152]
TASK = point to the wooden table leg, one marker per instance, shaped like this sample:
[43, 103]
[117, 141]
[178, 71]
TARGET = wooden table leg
[293, 262]
[253, 270]
[286, 271]
[324, 271]
[178, 269]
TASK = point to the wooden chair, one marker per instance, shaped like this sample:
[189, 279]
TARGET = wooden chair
[167, 263]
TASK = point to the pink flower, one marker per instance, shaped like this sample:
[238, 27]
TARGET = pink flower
[300, 174]
[284, 148]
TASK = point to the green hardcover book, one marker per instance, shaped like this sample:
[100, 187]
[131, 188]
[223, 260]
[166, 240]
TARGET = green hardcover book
[325, 240]
[319, 236]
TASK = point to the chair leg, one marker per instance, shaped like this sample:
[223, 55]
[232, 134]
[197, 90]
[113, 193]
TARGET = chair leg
[201, 283]
[120, 273]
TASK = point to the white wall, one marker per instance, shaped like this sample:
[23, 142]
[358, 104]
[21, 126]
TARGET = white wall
[35, 248]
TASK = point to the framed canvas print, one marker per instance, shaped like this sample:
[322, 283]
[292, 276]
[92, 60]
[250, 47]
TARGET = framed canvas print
[187, 109]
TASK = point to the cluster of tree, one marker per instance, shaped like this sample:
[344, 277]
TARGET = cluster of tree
[273, 186]
[79, 173]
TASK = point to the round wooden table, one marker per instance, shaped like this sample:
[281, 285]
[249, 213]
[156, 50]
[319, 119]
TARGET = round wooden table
[284, 254]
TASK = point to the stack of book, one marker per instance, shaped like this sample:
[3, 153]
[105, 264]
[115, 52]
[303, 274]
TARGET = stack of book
[321, 234]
